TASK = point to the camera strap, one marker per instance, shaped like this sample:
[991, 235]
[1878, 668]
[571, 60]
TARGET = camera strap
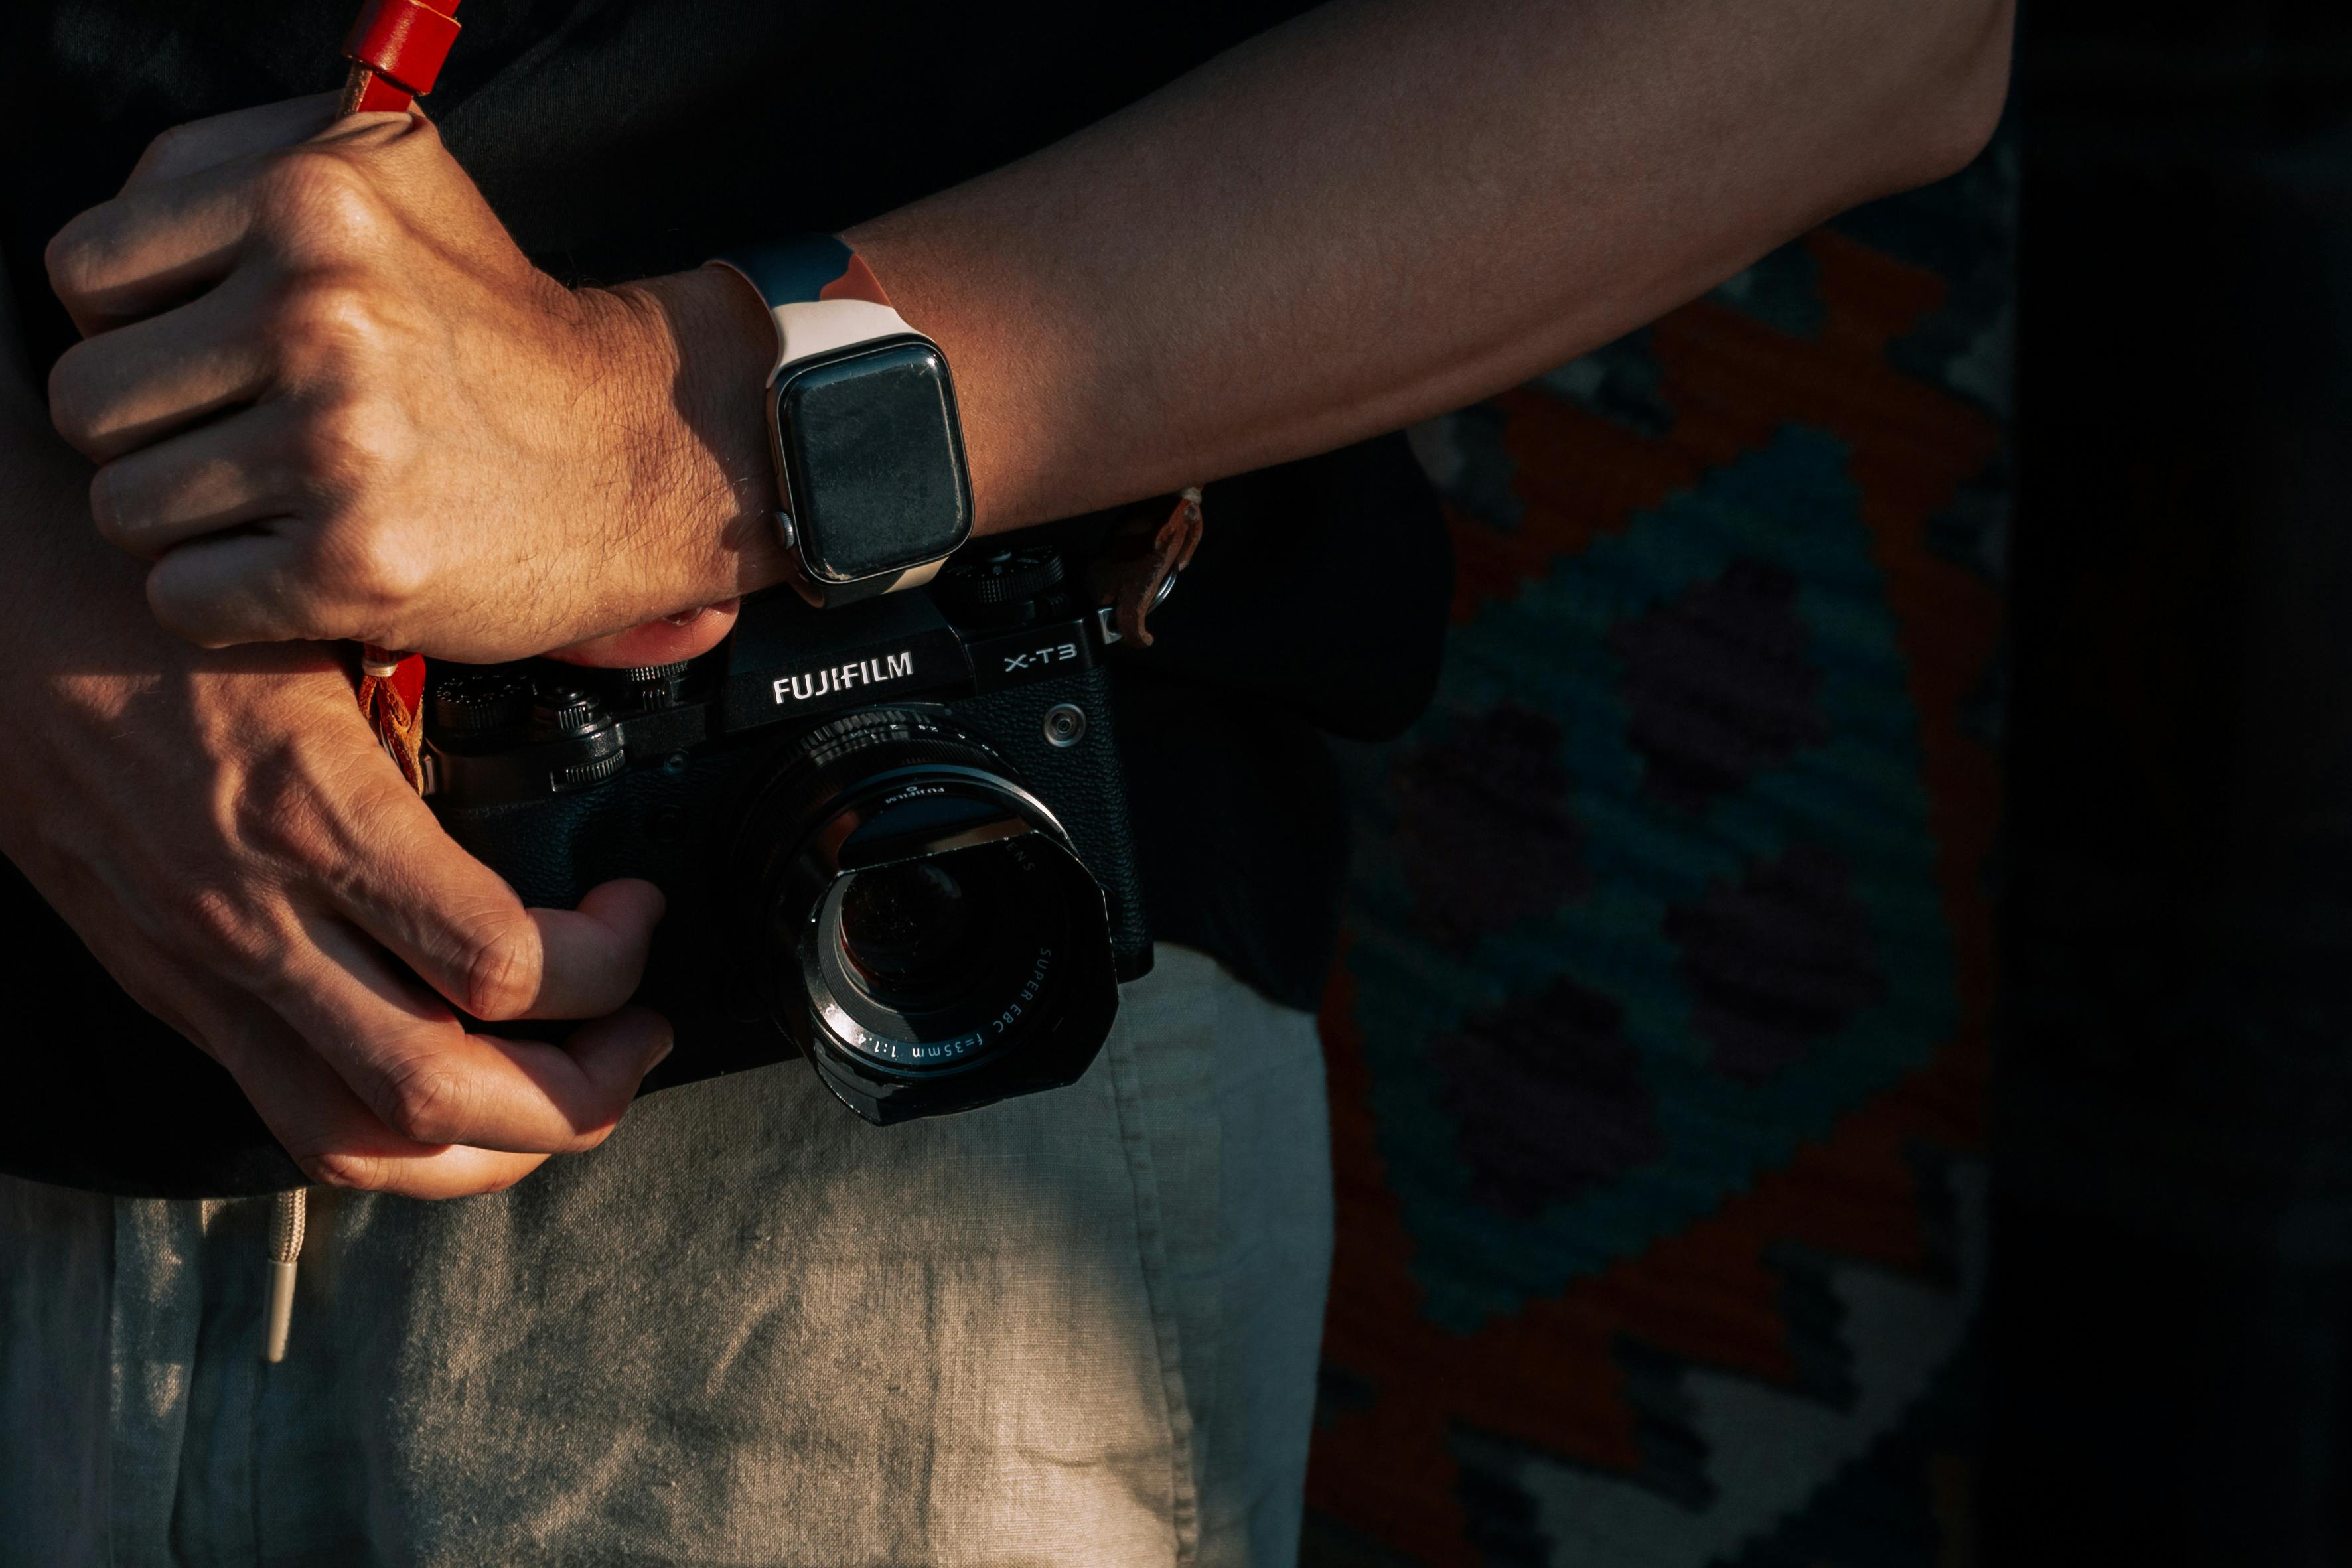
[397, 50]
[1146, 547]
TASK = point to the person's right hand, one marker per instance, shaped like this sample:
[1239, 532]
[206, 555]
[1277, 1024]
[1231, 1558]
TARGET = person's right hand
[330, 398]
[223, 832]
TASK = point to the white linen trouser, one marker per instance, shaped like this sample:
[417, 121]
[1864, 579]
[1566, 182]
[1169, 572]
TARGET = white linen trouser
[1077, 1328]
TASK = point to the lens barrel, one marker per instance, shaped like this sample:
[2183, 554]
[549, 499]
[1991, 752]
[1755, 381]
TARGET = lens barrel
[927, 935]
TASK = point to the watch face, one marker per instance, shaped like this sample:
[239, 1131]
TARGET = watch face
[873, 460]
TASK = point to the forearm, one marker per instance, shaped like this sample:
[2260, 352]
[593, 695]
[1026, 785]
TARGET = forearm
[1382, 210]
[1388, 209]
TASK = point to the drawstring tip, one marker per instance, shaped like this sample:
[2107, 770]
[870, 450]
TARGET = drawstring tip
[281, 1311]
[288, 1217]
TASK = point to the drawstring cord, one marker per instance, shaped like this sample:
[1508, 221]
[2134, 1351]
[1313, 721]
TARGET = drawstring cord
[288, 1215]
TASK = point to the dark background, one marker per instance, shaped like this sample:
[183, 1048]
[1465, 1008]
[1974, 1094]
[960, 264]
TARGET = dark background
[2171, 1298]
[2076, 426]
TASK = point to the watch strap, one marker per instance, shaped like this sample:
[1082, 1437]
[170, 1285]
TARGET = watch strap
[823, 298]
[819, 293]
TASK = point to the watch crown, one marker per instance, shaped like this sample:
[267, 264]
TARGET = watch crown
[785, 530]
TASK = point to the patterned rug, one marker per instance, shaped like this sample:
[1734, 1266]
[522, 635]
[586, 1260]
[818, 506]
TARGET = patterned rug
[1658, 1039]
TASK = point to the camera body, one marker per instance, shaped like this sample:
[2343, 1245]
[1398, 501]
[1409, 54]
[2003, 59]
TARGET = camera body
[893, 834]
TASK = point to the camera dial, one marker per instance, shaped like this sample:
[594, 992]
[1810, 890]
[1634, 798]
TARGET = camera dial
[568, 713]
[1001, 587]
[647, 687]
[483, 704]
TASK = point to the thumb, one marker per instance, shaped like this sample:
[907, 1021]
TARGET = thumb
[461, 927]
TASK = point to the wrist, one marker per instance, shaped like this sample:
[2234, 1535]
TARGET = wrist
[693, 351]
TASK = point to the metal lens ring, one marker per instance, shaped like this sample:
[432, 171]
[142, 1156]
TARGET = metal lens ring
[924, 913]
[948, 963]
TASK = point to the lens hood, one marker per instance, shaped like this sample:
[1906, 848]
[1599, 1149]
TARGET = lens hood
[1016, 990]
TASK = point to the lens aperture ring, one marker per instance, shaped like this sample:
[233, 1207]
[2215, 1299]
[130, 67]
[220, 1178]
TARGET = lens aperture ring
[830, 759]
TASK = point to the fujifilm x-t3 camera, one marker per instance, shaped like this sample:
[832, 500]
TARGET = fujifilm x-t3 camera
[893, 834]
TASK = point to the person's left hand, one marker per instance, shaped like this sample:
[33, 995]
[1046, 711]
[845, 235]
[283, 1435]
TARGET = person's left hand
[330, 398]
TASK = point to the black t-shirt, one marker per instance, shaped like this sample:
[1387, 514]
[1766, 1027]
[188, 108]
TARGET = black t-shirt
[621, 139]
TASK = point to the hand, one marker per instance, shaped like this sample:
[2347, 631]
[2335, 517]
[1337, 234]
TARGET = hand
[330, 398]
[226, 834]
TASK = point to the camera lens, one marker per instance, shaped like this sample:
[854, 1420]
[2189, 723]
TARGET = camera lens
[907, 931]
[931, 960]
[920, 915]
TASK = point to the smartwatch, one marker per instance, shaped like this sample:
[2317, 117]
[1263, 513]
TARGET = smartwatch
[861, 425]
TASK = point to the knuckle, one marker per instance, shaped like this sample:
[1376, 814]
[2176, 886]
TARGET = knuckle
[595, 1133]
[107, 510]
[502, 970]
[276, 817]
[317, 202]
[346, 443]
[103, 513]
[72, 256]
[214, 913]
[69, 398]
[220, 925]
[326, 321]
[426, 1101]
[357, 570]
[186, 614]
[180, 147]
[269, 802]
[346, 1169]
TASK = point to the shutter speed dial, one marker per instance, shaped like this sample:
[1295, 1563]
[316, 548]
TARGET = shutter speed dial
[999, 588]
[474, 706]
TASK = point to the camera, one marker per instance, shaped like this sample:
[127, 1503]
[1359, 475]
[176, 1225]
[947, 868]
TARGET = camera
[893, 834]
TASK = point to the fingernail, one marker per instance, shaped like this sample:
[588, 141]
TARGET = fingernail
[685, 617]
[661, 1053]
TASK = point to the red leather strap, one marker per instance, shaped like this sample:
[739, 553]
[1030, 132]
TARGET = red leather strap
[368, 93]
[393, 699]
[397, 48]
[401, 43]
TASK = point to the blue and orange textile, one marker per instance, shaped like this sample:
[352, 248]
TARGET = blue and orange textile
[1658, 1039]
